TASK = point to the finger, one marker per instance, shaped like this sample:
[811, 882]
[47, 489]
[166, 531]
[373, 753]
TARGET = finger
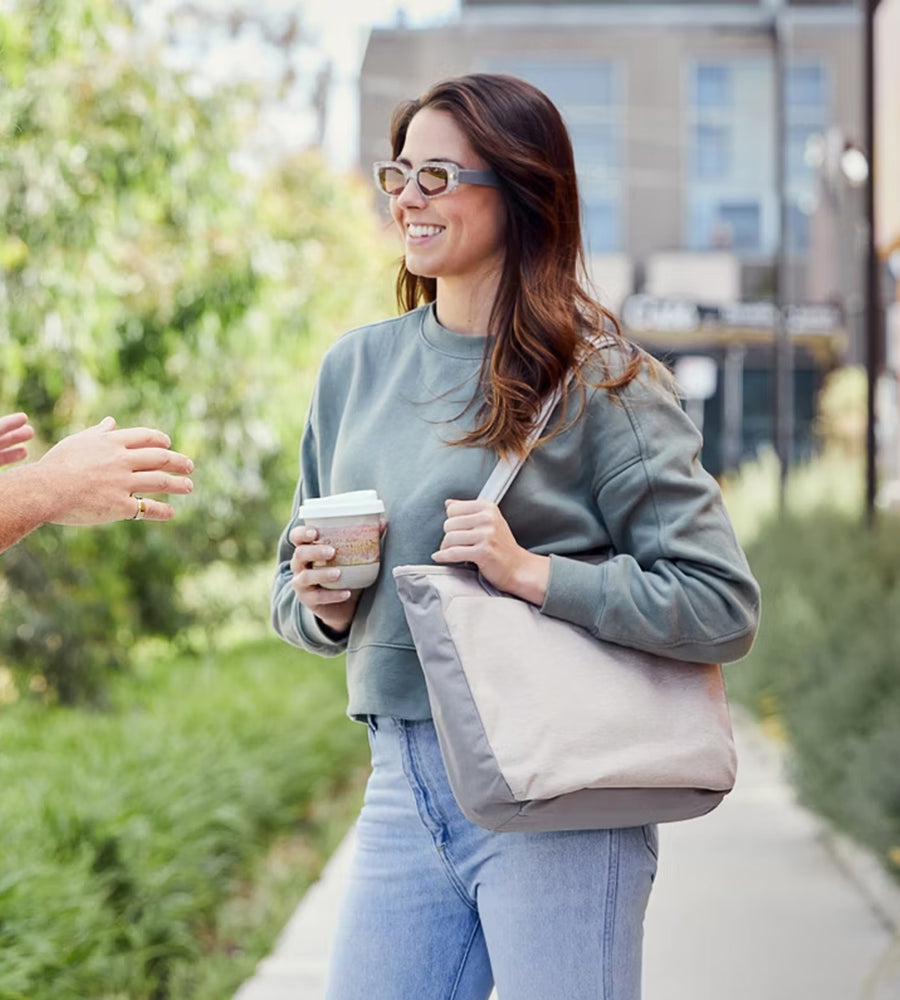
[320, 598]
[306, 555]
[11, 455]
[458, 539]
[146, 459]
[142, 437]
[464, 522]
[107, 424]
[301, 533]
[154, 510]
[309, 586]
[160, 482]
[16, 435]
[470, 508]
[12, 422]
[454, 554]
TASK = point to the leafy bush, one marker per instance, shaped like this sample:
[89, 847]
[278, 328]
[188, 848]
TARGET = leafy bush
[126, 831]
[142, 276]
[824, 669]
[825, 666]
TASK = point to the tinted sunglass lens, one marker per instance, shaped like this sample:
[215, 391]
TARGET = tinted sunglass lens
[391, 180]
[433, 180]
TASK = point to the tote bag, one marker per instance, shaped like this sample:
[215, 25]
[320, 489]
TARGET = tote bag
[542, 726]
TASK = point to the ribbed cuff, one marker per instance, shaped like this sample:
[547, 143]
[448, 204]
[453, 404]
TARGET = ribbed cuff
[575, 592]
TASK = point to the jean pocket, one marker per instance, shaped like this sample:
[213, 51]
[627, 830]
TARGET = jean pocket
[651, 839]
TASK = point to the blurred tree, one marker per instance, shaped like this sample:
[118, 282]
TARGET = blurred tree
[142, 275]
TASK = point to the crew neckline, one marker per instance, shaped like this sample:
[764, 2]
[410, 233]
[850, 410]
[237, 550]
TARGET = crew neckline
[445, 340]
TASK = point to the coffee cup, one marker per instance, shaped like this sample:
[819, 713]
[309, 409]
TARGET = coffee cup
[351, 524]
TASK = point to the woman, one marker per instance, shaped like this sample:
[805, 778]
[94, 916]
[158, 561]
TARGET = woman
[482, 188]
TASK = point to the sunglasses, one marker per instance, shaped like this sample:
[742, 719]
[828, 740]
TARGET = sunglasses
[433, 178]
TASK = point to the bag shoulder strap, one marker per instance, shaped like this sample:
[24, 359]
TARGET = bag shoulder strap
[506, 469]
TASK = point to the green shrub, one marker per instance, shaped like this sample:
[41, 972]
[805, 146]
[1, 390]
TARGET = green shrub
[143, 276]
[826, 666]
[825, 671]
[126, 831]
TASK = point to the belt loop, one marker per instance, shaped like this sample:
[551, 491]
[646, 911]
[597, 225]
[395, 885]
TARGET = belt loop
[372, 722]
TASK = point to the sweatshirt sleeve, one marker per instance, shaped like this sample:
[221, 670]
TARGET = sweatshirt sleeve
[293, 621]
[677, 582]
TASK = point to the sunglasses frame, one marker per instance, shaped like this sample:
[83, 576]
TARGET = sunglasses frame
[456, 175]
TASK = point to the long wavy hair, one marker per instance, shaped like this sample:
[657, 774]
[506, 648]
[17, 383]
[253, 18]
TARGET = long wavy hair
[543, 313]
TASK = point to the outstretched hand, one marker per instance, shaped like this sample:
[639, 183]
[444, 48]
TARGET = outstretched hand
[14, 432]
[92, 476]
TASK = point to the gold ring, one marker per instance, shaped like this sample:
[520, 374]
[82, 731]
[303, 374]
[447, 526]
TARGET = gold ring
[141, 509]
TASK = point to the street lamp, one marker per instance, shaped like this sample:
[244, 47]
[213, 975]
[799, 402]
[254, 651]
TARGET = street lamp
[872, 326]
[784, 348]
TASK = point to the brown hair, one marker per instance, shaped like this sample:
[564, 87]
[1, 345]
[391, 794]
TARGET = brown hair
[543, 311]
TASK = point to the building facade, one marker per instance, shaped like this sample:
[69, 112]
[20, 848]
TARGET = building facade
[677, 115]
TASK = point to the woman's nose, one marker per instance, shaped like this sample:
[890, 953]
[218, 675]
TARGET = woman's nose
[411, 196]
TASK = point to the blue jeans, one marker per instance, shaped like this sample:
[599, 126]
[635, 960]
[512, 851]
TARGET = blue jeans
[439, 909]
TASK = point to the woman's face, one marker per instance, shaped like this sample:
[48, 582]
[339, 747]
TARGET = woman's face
[457, 235]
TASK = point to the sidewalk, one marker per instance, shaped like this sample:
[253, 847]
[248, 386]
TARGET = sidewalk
[757, 901]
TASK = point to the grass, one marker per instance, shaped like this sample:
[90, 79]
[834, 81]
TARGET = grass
[141, 844]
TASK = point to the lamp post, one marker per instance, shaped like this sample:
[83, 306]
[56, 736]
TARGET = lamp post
[784, 349]
[873, 338]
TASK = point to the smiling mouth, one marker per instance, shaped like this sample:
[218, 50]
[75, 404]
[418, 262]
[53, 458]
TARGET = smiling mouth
[418, 231]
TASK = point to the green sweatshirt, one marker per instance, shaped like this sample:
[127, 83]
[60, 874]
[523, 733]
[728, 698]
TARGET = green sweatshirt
[623, 482]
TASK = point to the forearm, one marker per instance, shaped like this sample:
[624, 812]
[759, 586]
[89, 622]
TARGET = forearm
[26, 502]
[707, 616]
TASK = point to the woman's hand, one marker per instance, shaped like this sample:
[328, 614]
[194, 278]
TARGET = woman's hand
[475, 531]
[335, 608]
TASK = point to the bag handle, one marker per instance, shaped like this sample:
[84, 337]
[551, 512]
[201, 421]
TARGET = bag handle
[506, 469]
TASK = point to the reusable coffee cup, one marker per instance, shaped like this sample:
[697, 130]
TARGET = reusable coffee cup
[351, 524]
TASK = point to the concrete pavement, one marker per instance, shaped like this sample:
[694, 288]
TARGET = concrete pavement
[757, 901]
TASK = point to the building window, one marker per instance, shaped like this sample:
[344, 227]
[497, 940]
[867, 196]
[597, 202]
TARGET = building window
[804, 87]
[741, 221]
[712, 86]
[806, 115]
[600, 226]
[587, 95]
[711, 151]
[595, 144]
[730, 150]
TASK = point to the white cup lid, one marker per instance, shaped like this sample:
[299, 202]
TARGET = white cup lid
[342, 505]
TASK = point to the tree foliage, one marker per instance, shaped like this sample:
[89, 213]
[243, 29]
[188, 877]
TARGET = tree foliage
[142, 275]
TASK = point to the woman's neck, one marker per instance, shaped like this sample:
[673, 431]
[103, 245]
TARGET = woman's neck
[464, 306]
